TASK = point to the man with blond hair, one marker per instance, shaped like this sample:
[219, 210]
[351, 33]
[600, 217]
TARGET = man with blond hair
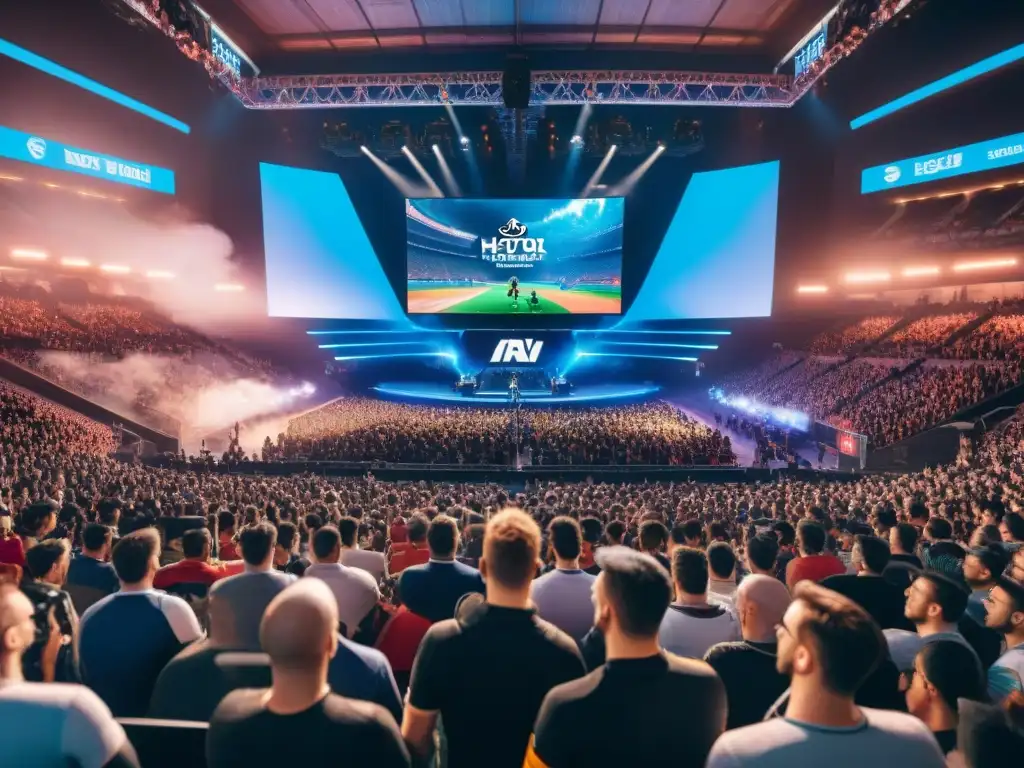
[487, 671]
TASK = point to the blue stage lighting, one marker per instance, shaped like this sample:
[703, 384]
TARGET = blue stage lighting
[642, 357]
[380, 333]
[942, 84]
[642, 332]
[389, 355]
[656, 344]
[371, 344]
[605, 394]
[63, 73]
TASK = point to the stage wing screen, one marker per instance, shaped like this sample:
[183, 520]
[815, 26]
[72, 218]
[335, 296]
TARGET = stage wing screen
[509, 257]
[717, 259]
[320, 263]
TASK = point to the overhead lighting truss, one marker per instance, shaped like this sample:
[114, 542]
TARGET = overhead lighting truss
[549, 87]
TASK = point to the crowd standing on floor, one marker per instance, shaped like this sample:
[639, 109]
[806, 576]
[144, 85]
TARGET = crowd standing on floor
[876, 619]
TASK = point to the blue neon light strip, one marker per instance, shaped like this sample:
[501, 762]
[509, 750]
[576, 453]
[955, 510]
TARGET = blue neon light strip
[35, 150]
[382, 333]
[449, 355]
[942, 84]
[63, 73]
[983, 156]
[656, 344]
[370, 344]
[641, 333]
[643, 357]
[541, 399]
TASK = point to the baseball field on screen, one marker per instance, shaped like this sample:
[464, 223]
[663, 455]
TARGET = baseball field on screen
[493, 299]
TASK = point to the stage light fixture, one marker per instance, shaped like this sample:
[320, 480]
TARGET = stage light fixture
[159, 274]
[29, 254]
[75, 262]
[868, 277]
[971, 266]
[812, 289]
[115, 269]
[228, 288]
[921, 271]
[464, 141]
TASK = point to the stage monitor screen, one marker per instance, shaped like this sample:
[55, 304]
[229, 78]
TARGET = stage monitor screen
[514, 257]
[717, 259]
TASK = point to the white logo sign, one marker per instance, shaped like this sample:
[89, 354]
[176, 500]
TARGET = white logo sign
[81, 160]
[939, 164]
[1013, 149]
[892, 174]
[36, 148]
[513, 245]
[517, 351]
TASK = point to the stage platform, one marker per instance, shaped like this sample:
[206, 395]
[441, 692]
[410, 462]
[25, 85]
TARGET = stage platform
[587, 394]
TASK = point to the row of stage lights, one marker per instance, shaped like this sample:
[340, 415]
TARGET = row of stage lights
[881, 276]
[31, 255]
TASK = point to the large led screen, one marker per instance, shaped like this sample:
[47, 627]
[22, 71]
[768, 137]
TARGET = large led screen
[514, 257]
[717, 258]
[320, 263]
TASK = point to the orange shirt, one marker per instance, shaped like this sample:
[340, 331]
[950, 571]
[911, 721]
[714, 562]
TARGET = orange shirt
[405, 554]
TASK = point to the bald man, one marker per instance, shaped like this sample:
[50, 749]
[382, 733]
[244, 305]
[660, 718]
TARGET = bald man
[747, 667]
[50, 724]
[298, 721]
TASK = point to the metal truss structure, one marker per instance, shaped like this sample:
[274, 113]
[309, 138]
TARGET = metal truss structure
[549, 88]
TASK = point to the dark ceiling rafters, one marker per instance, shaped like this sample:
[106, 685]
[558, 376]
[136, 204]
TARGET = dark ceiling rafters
[369, 23]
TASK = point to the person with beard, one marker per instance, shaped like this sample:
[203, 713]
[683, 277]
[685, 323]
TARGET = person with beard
[982, 567]
[828, 646]
[1004, 613]
[935, 605]
[943, 673]
[630, 596]
[46, 566]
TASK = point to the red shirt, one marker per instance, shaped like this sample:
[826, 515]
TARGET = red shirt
[227, 549]
[194, 572]
[12, 551]
[400, 638]
[813, 567]
[406, 554]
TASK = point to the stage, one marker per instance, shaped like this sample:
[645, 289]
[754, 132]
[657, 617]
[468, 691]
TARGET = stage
[586, 394]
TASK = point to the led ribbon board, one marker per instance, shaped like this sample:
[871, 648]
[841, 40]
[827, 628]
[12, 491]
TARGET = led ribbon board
[983, 156]
[28, 148]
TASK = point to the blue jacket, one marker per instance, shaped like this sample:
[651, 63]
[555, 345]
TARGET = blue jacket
[433, 589]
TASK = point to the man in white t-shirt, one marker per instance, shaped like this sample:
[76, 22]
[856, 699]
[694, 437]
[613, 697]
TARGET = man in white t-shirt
[50, 724]
[935, 605]
[828, 645]
[374, 563]
[693, 623]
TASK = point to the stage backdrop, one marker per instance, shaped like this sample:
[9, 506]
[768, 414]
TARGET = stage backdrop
[498, 257]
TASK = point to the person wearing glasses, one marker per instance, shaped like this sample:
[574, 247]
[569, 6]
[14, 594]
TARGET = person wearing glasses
[828, 646]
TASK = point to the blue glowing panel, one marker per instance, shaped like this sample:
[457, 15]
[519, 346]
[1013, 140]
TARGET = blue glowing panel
[320, 263]
[983, 156]
[717, 259]
[63, 73]
[959, 77]
[36, 150]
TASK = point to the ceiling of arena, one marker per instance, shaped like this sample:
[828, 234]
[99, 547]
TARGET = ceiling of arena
[694, 26]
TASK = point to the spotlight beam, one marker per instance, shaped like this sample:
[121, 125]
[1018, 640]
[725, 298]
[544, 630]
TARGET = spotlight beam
[625, 186]
[449, 177]
[423, 172]
[592, 182]
[404, 185]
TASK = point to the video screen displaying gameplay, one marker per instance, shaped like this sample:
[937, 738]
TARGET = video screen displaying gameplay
[496, 257]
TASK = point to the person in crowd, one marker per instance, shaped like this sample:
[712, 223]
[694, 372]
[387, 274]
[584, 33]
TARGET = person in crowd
[297, 720]
[432, 590]
[761, 553]
[786, 534]
[374, 563]
[982, 567]
[248, 594]
[689, 533]
[748, 667]
[935, 605]
[591, 530]
[415, 550]
[867, 587]
[989, 735]
[1012, 529]
[38, 521]
[943, 672]
[814, 562]
[486, 673]
[562, 596]
[127, 637]
[828, 646]
[653, 538]
[286, 549]
[630, 597]
[903, 563]
[195, 567]
[1004, 613]
[12, 549]
[227, 548]
[353, 588]
[49, 724]
[722, 570]
[90, 576]
[46, 569]
[1017, 566]
[939, 552]
[692, 623]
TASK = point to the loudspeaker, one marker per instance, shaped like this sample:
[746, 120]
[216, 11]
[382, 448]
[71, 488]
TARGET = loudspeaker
[515, 82]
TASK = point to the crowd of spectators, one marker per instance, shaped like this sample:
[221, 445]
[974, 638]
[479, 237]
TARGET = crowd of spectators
[747, 378]
[251, 603]
[923, 335]
[853, 335]
[362, 429]
[819, 386]
[1001, 337]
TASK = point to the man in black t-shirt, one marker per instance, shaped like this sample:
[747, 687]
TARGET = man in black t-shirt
[748, 667]
[486, 673]
[643, 707]
[298, 721]
[881, 598]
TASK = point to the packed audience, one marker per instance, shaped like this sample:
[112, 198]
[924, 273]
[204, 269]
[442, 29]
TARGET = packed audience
[290, 613]
[923, 335]
[853, 335]
[999, 338]
[361, 429]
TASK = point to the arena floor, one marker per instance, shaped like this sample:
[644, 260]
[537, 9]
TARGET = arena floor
[494, 300]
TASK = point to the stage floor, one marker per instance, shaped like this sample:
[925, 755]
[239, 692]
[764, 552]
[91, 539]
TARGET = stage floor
[590, 394]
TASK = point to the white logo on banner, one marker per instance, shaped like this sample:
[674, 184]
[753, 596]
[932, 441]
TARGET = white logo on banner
[36, 148]
[517, 351]
[892, 174]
